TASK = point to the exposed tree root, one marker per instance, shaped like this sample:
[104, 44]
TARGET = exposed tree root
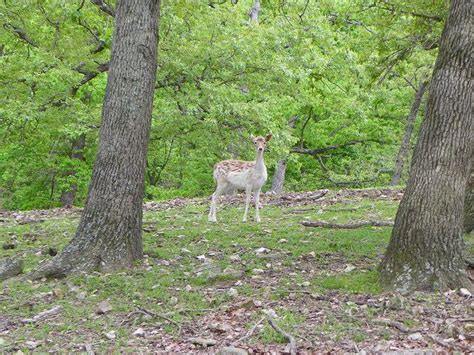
[64, 264]
[352, 225]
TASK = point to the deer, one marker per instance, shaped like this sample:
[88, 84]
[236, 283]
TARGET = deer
[231, 175]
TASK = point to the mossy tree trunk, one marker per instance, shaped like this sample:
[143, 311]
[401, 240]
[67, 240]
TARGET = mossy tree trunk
[426, 248]
[109, 233]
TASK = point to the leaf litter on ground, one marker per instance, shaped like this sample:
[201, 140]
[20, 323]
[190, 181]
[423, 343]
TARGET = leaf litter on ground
[214, 282]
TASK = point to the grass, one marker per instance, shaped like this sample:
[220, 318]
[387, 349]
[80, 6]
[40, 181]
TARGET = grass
[169, 280]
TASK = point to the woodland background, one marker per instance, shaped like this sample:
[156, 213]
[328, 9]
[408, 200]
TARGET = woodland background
[333, 81]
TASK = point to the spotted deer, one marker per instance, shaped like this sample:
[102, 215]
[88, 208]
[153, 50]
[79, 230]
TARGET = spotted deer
[241, 175]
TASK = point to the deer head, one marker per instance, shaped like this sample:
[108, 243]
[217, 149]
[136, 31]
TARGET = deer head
[261, 142]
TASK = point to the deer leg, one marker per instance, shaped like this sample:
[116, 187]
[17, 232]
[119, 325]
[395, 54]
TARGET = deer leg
[213, 209]
[257, 204]
[248, 194]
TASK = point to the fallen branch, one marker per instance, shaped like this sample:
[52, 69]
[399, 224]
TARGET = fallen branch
[314, 196]
[43, 315]
[352, 225]
[438, 341]
[303, 210]
[289, 337]
[250, 332]
[393, 324]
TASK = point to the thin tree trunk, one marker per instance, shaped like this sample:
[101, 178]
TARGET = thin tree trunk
[278, 180]
[77, 153]
[279, 177]
[426, 248]
[255, 11]
[405, 145]
[109, 233]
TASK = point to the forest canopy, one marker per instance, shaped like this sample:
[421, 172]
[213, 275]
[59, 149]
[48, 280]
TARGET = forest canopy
[333, 81]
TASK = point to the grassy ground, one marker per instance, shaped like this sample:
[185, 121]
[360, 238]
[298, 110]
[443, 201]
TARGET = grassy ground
[216, 281]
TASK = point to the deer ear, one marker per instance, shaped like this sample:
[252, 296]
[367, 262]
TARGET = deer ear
[268, 137]
[252, 137]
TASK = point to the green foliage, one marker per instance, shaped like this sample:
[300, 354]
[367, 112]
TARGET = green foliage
[344, 69]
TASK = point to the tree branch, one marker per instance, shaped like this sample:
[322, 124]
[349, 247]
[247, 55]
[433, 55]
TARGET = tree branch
[318, 151]
[109, 10]
[88, 75]
[21, 34]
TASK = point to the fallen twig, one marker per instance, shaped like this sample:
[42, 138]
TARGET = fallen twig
[438, 341]
[303, 210]
[191, 310]
[465, 320]
[289, 337]
[156, 315]
[352, 225]
[45, 314]
[394, 324]
[250, 332]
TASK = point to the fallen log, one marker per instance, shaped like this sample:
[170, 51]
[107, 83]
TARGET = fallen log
[10, 267]
[352, 225]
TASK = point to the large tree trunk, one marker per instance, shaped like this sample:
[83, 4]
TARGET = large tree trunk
[77, 153]
[469, 202]
[405, 145]
[426, 247]
[109, 233]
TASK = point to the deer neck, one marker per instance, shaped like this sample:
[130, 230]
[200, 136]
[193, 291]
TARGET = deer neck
[259, 163]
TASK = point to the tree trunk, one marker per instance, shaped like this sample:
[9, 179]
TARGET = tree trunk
[255, 11]
[278, 180]
[469, 202]
[426, 248]
[404, 146]
[279, 177]
[109, 233]
[77, 152]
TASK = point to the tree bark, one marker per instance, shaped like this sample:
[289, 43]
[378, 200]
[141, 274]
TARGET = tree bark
[77, 153]
[279, 177]
[426, 248]
[109, 233]
[405, 145]
[469, 202]
[10, 267]
[280, 172]
[255, 11]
